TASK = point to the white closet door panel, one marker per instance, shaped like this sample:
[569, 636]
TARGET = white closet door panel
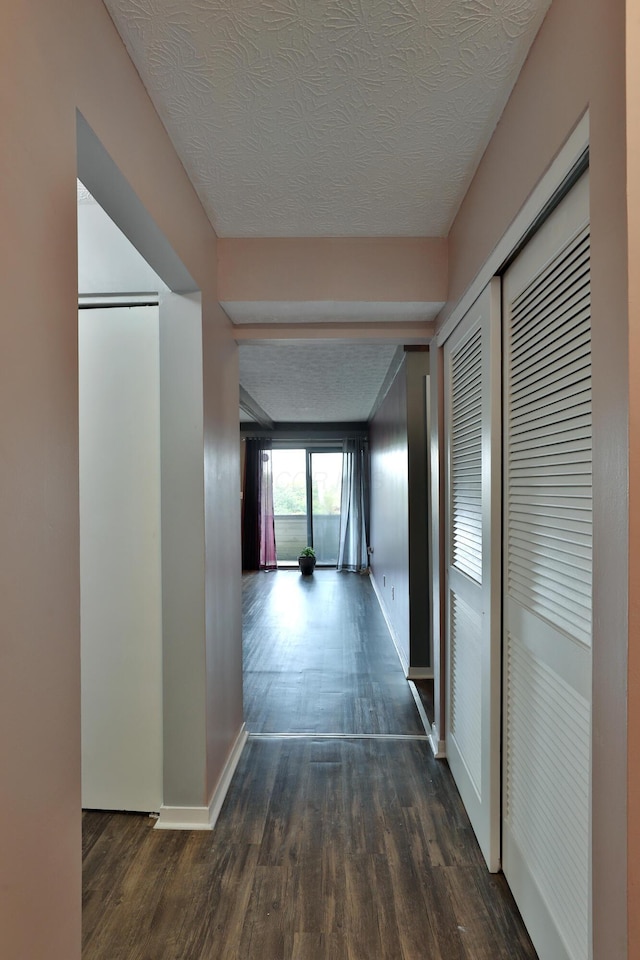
[547, 582]
[465, 692]
[472, 406]
[546, 790]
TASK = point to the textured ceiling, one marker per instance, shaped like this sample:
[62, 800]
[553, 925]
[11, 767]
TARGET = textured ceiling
[328, 311]
[329, 117]
[83, 195]
[316, 382]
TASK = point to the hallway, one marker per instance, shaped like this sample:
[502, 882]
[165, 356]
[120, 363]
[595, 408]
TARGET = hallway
[327, 848]
[318, 658]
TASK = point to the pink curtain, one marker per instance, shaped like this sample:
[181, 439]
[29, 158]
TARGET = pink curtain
[268, 559]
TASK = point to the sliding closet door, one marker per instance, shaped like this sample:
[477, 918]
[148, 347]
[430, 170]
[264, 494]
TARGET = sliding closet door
[472, 435]
[547, 582]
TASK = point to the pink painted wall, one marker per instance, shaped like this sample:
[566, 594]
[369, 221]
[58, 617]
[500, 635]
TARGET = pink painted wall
[55, 58]
[222, 545]
[394, 331]
[578, 61]
[378, 269]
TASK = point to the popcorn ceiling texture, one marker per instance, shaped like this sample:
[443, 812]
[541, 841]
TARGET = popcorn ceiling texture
[329, 117]
[316, 382]
[83, 194]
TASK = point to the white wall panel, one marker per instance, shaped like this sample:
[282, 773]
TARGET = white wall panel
[120, 559]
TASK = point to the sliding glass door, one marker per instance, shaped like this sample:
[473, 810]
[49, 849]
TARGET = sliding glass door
[290, 503]
[325, 469]
[307, 485]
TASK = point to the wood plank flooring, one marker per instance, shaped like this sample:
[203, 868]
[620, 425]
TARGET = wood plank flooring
[318, 657]
[426, 694]
[325, 849]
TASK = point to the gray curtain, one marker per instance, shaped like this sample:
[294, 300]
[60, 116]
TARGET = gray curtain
[354, 508]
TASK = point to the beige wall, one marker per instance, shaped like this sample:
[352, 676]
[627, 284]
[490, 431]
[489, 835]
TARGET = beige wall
[384, 269]
[55, 58]
[633, 202]
[183, 574]
[577, 62]
[222, 545]
[389, 529]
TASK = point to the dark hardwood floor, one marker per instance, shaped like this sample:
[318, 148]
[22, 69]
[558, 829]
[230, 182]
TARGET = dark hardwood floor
[318, 657]
[425, 692]
[325, 849]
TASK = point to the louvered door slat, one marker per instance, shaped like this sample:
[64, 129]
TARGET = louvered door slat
[556, 466]
[579, 447]
[528, 555]
[541, 518]
[539, 564]
[542, 399]
[551, 285]
[548, 603]
[552, 295]
[557, 362]
[535, 442]
[570, 312]
[471, 363]
[466, 458]
[468, 375]
[552, 833]
[570, 370]
[547, 581]
[568, 309]
[573, 314]
[546, 405]
[574, 543]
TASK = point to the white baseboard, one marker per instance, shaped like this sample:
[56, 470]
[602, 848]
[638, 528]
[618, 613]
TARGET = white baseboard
[420, 673]
[220, 792]
[390, 626]
[411, 673]
[204, 818]
[438, 746]
[183, 818]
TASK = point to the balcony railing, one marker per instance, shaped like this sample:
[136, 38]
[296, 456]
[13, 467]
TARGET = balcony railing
[291, 536]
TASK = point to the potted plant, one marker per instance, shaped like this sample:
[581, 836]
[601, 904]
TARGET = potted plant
[307, 561]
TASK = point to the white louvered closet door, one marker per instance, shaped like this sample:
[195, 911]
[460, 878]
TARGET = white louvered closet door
[472, 434]
[547, 582]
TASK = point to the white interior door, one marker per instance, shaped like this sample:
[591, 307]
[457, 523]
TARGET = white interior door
[547, 582]
[120, 558]
[473, 471]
